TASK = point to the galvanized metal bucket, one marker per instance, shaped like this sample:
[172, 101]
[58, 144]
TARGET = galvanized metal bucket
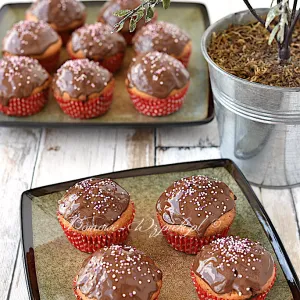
[259, 125]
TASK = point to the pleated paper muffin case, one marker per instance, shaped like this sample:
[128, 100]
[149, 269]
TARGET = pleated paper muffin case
[112, 63]
[157, 107]
[90, 241]
[91, 108]
[185, 240]
[27, 106]
[205, 294]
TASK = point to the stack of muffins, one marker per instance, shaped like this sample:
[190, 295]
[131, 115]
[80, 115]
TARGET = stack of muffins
[195, 214]
[157, 79]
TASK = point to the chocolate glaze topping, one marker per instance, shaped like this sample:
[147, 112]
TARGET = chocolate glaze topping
[80, 78]
[234, 264]
[162, 37]
[157, 74]
[196, 202]
[117, 273]
[29, 38]
[95, 203]
[19, 76]
[97, 40]
[58, 12]
[107, 12]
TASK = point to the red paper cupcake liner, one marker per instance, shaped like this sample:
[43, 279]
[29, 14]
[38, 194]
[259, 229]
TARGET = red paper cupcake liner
[91, 243]
[156, 107]
[112, 64]
[87, 109]
[204, 295]
[187, 244]
[22, 107]
[50, 63]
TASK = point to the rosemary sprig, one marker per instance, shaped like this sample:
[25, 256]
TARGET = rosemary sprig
[145, 9]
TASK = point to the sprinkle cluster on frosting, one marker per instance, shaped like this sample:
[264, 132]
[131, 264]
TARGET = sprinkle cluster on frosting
[161, 36]
[19, 76]
[29, 38]
[157, 74]
[118, 272]
[234, 264]
[95, 202]
[97, 40]
[233, 250]
[81, 77]
[195, 201]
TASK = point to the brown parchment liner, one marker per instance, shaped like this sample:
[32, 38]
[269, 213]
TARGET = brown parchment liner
[189, 17]
[57, 261]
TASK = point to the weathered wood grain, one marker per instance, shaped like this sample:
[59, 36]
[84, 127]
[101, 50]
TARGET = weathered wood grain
[18, 148]
[194, 136]
[280, 208]
[184, 154]
[18, 287]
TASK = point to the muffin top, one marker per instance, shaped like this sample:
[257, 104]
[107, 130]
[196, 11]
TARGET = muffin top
[196, 202]
[80, 78]
[59, 12]
[29, 38]
[234, 264]
[157, 74]
[162, 37]
[94, 202]
[106, 13]
[118, 272]
[97, 40]
[19, 76]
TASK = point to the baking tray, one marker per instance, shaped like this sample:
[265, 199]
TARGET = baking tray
[198, 108]
[51, 261]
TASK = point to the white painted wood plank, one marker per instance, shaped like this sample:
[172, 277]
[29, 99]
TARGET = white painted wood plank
[19, 287]
[177, 155]
[134, 149]
[296, 198]
[280, 208]
[18, 149]
[257, 191]
[194, 136]
[67, 154]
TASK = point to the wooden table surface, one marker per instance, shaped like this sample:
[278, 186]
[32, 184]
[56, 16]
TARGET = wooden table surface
[35, 157]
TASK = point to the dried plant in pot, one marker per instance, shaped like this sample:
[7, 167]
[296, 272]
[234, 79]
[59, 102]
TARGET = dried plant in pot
[256, 91]
[253, 59]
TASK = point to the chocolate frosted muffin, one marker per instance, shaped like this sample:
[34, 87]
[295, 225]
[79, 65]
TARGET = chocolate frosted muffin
[233, 268]
[106, 15]
[83, 88]
[157, 83]
[23, 86]
[95, 213]
[118, 273]
[64, 16]
[35, 39]
[97, 42]
[194, 211]
[164, 37]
